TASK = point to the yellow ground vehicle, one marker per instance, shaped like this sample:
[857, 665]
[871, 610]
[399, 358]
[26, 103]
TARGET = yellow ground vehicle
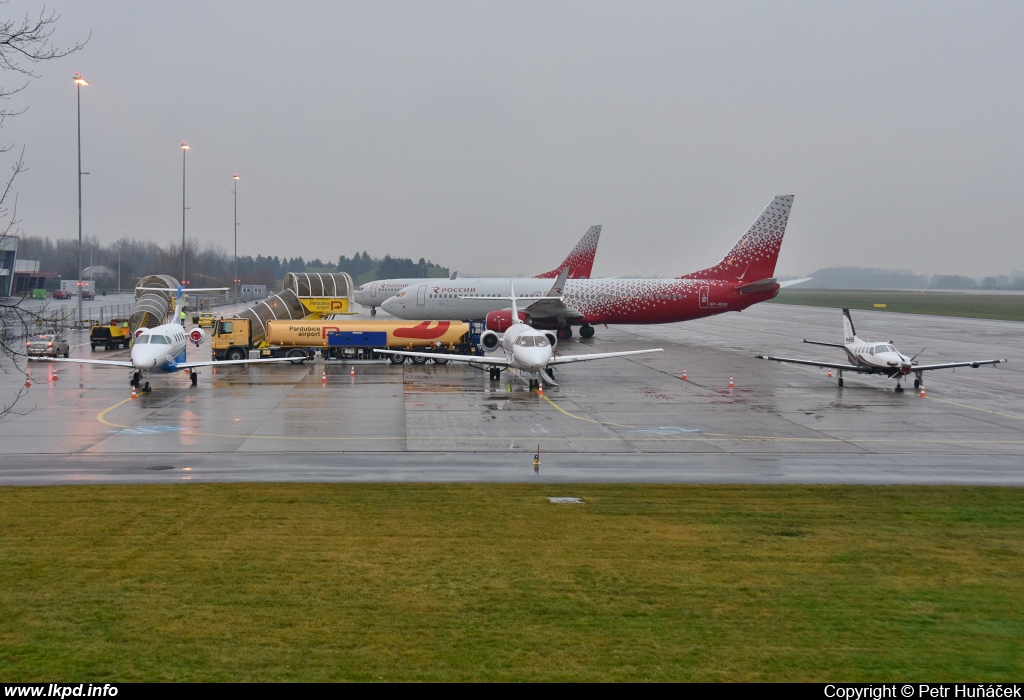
[114, 335]
[207, 319]
[232, 338]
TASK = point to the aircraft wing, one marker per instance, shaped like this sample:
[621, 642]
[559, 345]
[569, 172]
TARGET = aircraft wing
[947, 365]
[566, 359]
[112, 363]
[472, 359]
[552, 305]
[221, 363]
[815, 363]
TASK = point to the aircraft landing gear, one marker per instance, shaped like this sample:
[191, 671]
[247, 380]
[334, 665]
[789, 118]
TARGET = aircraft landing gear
[494, 373]
[917, 383]
[373, 310]
[586, 331]
[899, 388]
[565, 332]
[194, 377]
[534, 384]
[146, 389]
[840, 381]
[136, 378]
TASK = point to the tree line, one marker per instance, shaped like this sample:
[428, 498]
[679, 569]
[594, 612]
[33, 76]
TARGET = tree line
[209, 266]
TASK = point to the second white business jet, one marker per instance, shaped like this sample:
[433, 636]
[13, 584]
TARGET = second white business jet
[874, 357]
[528, 351]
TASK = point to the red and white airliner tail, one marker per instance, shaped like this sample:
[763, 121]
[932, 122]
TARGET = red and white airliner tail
[580, 260]
[754, 256]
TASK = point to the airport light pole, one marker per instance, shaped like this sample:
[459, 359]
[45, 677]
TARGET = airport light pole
[236, 178]
[184, 148]
[79, 82]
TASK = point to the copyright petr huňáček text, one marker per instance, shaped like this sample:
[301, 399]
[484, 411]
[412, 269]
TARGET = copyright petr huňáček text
[923, 690]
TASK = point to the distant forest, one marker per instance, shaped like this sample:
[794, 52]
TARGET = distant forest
[875, 278]
[209, 266]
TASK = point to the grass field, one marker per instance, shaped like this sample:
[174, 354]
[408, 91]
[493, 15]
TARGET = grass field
[318, 582]
[1006, 307]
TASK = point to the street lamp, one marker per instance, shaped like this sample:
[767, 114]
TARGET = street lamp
[184, 147]
[236, 179]
[79, 82]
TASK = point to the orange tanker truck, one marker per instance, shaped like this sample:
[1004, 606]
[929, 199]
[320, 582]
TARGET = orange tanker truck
[235, 338]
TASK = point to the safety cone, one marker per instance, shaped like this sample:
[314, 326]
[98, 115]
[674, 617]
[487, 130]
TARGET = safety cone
[731, 384]
[352, 372]
[53, 375]
[923, 395]
[135, 394]
[684, 374]
[829, 372]
[28, 377]
[323, 377]
[540, 388]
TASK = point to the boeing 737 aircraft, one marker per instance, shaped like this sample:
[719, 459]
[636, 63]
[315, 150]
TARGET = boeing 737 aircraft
[163, 349]
[873, 357]
[744, 277]
[580, 262]
[528, 351]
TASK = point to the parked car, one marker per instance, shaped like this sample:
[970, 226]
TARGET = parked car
[88, 295]
[61, 294]
[47, 344]
[206, 319]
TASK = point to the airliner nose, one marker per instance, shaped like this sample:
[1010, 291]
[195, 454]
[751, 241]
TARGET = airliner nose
[535, 358]
[393, 306]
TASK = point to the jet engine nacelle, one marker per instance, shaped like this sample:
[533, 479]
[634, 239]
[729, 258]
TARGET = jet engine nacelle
[196, 335]
[500, 321]
[489, 340]
[552, 338]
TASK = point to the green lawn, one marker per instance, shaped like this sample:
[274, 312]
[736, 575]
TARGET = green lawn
[1006, 307]
[313, 582]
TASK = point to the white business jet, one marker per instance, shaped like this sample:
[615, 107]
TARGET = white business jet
[873, 357]
[526, 350]
[162, 349]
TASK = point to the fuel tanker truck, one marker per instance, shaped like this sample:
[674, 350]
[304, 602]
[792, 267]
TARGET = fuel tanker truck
[234, 339]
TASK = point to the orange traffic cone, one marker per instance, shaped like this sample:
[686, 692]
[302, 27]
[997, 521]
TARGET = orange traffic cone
[352, 372]
[323, 377]
[53, 375]
[829, 372]
[135, 394]
[923, 395]
[731, 385]
[28, 377]
[540, 388]
[684, 374]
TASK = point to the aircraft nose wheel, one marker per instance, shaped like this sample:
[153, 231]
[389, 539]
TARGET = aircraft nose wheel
[194, 377]
[494, 373]
[373, 311]
[135, 379]
[899, 389]
[917, 383]
[840, 381]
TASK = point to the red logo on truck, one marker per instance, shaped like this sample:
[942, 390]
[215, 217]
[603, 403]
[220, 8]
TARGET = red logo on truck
[423, 330]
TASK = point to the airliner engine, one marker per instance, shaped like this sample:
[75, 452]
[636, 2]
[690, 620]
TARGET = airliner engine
[500, 321]
[489, 340]
[552, 338]
[196, 335]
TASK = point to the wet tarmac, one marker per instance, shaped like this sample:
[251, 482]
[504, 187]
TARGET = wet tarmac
[626, 420]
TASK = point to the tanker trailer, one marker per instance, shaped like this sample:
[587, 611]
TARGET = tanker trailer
[233, 338]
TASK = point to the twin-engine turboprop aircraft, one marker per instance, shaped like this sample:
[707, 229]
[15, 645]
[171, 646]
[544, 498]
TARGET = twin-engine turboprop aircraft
[873, 357]
[580, 262]
[745, 276]
[163, 348]
[527, 350]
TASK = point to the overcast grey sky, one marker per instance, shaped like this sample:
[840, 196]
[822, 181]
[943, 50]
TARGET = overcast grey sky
[490, 135]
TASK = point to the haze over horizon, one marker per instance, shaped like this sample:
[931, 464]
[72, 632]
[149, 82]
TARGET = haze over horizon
[491, 136]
